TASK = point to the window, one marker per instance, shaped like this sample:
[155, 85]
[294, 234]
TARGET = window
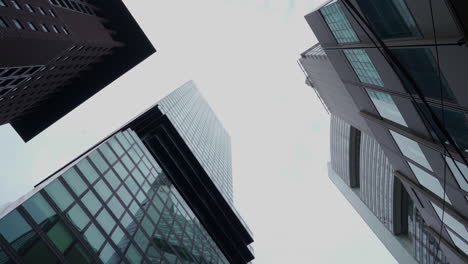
[110, 156]
[78, 217]
[44, 28]
[133, 255]
[59, 194]
[457, 227]
[41, 10]
[338, 23]
[2, 23]
[88, 171]
[456, 124]
[94, 237]
[29, 8]
[460, 177]
[65, 31]
[32, 26]
[91, 202]
[363, 66]
[75, 182]
[15, 4]
[389, 18]
[102, 189]
[116, 207]
[411, 150]
[98, 161]
[107, 253]
[422, 67]
[2, 4]
[52, 13]
[112, 179]
[106, 221]
[116, 146]
[386, 106]
[124, 195]
[39, 209]
[429, 181]
[117, 236]
[55, 29]
[60, 236]
[17, 24]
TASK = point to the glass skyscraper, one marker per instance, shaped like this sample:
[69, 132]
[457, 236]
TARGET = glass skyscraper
[117, 203]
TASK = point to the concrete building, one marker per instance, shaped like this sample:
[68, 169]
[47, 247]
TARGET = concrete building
[409, 95]
[55, 54]
[158, 190]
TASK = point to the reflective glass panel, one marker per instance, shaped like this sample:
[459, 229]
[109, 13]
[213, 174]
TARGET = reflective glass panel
[429, 181]
[116, 146]
[75, 182]
[94, 237]
[116, 207]
[456, 124]
[112, 179]
[102, 189]
[39, 209]
[91, 202]
[386, 106]
[88, 171]
[460, 173]
[363, 66]
[106, 221]
[110, 156]
[338, 23]
[459, 242]
[59, 194]
[133, 255]
[107, 253]
[451, 222]
[60, 236]
[98, 160]
[411, 149]
[78, 217]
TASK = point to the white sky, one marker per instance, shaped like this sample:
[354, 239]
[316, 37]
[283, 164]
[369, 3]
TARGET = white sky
[242, 55]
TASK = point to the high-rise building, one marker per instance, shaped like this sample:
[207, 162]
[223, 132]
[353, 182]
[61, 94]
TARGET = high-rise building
[158, 190]
[55, 54]
[407, 100]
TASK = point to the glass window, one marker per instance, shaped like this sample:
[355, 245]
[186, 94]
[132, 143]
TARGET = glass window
[59, 194]
[75, 182]
[106, 221]
[134, 155]
[131, 184]
[363, 66]
[451, 222]
[389, 18]
[128, 162]
[123, 140]
[60, 236]
[17, 24]
[32, 26]
[110, 156]
[91, 202]
[52, 14]
[107, 253]
[94, 237]
[98, 161]
[133, 255]
[78, 217]
[39, 209]
[88, 171]
[411, 149]
[138, 177]
[422, 67]
[15, 4]
[55, 29]
[77, 255]
[41, 10]
[386, 106]
[2, 4]
[148, 225]
[121, 171]
[134, 207]
[429, 181]
[102, 189]
[116, 146]
[112, 179]
[141, 240]
[127, 222]
[460, 177]
[13, 226]
[124, 195]
[143, 167]
[456, 124]
[338, 23]
[116, 207]
[118, 237]
[29, 7]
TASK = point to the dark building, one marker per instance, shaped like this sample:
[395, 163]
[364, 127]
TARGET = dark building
[55, 54]
[158, 190]
[409, 97]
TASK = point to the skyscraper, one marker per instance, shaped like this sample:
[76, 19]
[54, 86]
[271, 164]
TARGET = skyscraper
[58, 53]
[158, 190]
[407, 97]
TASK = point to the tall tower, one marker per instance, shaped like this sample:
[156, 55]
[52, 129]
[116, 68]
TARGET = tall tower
[155, 191]
[55, 54]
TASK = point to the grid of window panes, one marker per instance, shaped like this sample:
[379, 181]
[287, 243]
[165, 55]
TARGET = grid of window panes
[339, 147]
[115, 205]
[363, 66]
[317, 50]
[386, 106]
[203, 133]
[338, 23]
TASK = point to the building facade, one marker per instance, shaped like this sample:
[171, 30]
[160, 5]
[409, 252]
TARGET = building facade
[129, 199]
[51, 49]
[409, 95]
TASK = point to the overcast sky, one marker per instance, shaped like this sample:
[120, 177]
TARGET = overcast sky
[242, 56]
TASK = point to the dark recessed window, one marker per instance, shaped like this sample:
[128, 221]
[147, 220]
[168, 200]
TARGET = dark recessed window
[55, 29]
[44, 28]
[2, 3]
[15, 4]
[2, 23]
[52, 13]
[29, 7]
[7, 82]
[54, 2]
[9, 72]
[17, 24]
[41, 10]
[65, 31]
[21, 71]
[32, 26]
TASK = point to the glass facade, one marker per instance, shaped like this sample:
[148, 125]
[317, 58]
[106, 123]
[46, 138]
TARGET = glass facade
[115, 205]
[457, 231]
[456, 124]
[386, 106]
[389, 18]
[338, 23]
[363, 66]
[459, 171]
[339, 147]
[429, 181]
[422, 67]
